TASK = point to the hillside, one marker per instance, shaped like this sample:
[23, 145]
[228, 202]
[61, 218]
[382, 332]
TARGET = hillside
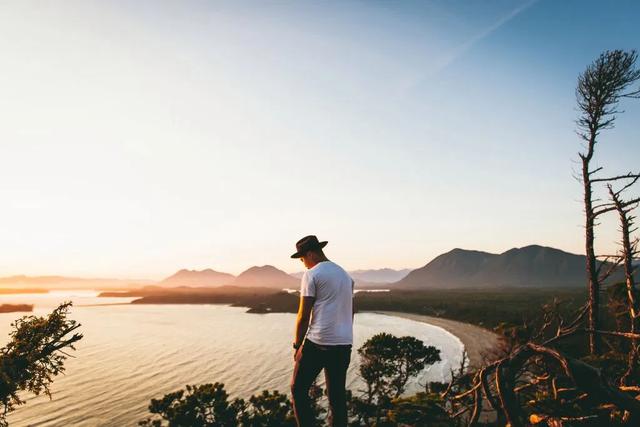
[266, 276]
[530, 266]
[206, 277]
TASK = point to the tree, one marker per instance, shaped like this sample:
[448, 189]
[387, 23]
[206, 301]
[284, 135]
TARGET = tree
[600, 88]
[208, 405]
[315, 394]
[377, 364]
[544, 379]
[205, 405]
[422, 409]
[268, 409]
[629, 251]
[34, 355]
[387, 363]
[412, 357]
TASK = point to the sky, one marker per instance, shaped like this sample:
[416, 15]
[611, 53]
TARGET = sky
[141, 137]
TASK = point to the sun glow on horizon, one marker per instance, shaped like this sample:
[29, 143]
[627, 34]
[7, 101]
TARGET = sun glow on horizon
[140, 138]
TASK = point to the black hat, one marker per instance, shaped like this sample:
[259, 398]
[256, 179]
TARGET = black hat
[306, 244]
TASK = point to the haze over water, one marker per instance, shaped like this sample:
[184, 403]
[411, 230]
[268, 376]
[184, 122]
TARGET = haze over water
[132, 353]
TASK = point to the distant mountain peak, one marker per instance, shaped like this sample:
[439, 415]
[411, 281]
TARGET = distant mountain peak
[538, 248]
[463, 252]
[460, 250]
[532, 246]
[206, 277]
[265, 276]
[530, 266]
[265, 267]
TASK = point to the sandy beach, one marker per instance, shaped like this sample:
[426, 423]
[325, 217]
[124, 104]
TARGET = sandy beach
[476, 340]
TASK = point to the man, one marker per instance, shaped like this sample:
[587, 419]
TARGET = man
[325, 316]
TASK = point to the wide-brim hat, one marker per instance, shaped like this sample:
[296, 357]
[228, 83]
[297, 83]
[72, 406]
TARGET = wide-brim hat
[307, 244]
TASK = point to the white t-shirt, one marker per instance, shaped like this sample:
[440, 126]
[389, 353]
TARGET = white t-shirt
[331, 316]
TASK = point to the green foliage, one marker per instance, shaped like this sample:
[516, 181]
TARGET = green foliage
[208, 405]
[421, 409]
[514, 334]
[315, 395]
[205, 405]
[377, 365]
[483, 307]
[387, 363]
[602, 85]
[35, 355]
[412, 357]
[268, 409]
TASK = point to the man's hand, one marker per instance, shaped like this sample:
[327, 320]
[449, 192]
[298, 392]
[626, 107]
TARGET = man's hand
[296, 352]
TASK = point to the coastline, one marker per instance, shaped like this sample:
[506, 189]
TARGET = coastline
[16, 308]
[477, 341]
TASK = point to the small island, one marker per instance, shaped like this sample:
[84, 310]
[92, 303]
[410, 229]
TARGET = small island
[16, 308]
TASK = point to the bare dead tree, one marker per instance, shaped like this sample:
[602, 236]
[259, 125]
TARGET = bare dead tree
[600, 88]
[497, 391]
[629, 251]
[538, 384]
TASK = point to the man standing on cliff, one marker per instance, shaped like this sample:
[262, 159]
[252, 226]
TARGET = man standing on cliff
[325, 316]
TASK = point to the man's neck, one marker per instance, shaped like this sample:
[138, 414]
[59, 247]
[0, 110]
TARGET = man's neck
[319, 261]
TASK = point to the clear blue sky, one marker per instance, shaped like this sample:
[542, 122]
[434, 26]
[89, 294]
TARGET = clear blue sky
[143, 137]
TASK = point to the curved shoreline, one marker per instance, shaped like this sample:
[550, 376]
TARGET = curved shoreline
[478, 342]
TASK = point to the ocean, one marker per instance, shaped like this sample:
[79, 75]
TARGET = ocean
[133, 353]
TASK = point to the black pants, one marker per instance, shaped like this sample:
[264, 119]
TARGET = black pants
[310, 360]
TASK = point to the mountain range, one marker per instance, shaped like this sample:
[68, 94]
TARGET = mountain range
[530, 266]
[257, 276]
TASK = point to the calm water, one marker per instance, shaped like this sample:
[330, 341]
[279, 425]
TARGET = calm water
[132, 353]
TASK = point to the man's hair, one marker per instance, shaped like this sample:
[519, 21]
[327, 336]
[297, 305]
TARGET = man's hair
[317, 251]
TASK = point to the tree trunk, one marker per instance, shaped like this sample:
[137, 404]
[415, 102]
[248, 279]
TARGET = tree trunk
[592, 271]
[632, 300]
